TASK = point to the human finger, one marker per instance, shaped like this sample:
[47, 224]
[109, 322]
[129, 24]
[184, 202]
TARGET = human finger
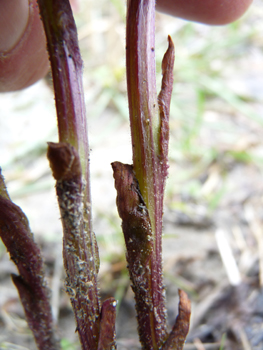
[215, 12]
[23, 56]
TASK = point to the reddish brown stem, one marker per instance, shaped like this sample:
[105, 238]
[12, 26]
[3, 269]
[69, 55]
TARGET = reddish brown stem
[149, 119]
[30, 283]
[80, 265]
[69, 161]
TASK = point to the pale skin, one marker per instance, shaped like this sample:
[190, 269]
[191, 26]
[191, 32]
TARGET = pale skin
[23, 57]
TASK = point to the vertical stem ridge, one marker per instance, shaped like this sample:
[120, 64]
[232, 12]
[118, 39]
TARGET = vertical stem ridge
[150, 136]
[80, 252]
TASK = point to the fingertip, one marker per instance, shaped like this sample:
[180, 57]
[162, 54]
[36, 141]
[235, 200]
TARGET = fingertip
[13, 21]
[226, 12]
[214, 12]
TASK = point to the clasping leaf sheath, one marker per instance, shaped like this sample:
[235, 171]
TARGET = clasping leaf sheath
[140, 187]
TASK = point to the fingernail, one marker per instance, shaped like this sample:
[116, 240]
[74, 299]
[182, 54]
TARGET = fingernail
[13, 21]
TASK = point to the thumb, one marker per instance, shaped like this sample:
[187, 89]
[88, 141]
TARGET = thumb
[23, 56]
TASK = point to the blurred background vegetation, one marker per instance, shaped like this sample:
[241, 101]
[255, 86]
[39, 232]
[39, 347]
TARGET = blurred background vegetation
[216, 147]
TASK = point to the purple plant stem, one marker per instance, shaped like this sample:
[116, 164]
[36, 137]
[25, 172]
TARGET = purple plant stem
[150, 135]
[81, 264]
[67, 67]
[79, 244]
[30, 283]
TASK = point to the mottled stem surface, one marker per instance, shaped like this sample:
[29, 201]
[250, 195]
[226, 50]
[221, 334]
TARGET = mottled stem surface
[138, 236]
[30, 283]
[81, 267]
[69, 160]
[149, 120]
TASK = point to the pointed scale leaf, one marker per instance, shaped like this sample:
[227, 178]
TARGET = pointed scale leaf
[107, 338]
[176, 339]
